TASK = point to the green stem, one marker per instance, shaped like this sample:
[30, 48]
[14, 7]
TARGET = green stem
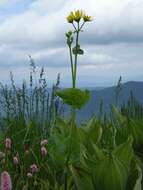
[74, 27]
[65, 180]
[81, 26]
[72, 68]
[75, 63]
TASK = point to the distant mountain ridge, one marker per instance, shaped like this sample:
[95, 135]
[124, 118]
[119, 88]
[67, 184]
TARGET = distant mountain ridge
[108, 96]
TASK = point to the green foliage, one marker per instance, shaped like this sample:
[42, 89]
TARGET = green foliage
[135, 178]
[76, 158]
[82, 178]
[110, 173]
[138, 184]
[110, 170]
[74, 97]
[32, 102]
[133, 108]
[77, 50]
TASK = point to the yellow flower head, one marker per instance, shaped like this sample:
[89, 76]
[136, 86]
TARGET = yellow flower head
[87, 18]
[75, 16]
[78, 15]
[70, 17]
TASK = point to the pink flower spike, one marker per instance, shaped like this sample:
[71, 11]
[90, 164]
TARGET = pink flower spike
[34, 168]
[44, 142]
[43, 151]
[6, 181]
[8, 143]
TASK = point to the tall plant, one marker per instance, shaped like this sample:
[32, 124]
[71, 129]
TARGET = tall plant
[74, 96]
[78, 20]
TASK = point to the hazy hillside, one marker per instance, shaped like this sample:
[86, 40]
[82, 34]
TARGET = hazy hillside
[108, 97]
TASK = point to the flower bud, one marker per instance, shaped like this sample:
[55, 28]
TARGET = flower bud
[29, 175]
[34, 168]
[15, 160]
[43, 151]
[44, 142]
[8, 143]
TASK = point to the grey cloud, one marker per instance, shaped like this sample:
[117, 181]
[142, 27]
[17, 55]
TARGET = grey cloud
[113, 42]
[32, 28]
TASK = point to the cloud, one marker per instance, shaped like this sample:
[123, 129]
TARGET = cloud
[113, 40]
[44, 22]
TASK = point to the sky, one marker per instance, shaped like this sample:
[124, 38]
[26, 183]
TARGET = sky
[112, 42]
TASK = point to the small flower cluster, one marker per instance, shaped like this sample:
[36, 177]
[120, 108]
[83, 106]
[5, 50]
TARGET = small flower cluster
[16, 160]
[5, 177]
[43, 148]
[34, 169]
[77, 16]
[8, 147]
[8, 144]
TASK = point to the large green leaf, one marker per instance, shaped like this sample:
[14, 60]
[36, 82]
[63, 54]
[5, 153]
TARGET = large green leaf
[77, 50]
[90, 134]
[64, 145]
[135, 177]
[110, 173]
[138, 184]
[93, 130]
[136, 129]
[124, 152]
[74, 97]
[82, 178]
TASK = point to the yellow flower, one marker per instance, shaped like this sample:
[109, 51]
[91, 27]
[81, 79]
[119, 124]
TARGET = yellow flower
[75, 16]
[70, 17]
[78, 15]
[87, 18]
